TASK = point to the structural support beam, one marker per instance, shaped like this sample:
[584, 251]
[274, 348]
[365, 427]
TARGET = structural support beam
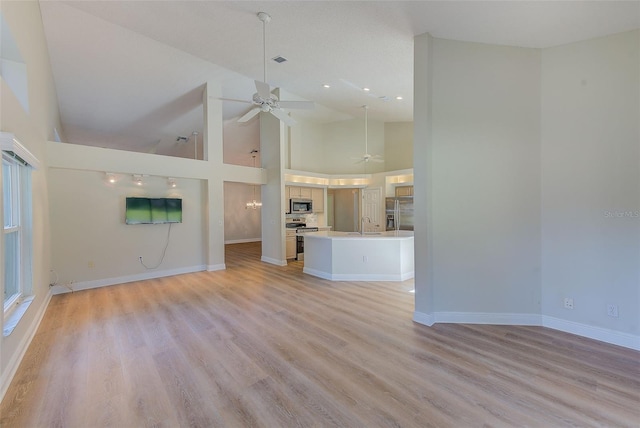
[212, 153]
[422, 157]
[272, 154]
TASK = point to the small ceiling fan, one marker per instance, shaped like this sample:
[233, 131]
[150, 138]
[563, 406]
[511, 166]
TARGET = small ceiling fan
[366, 158]
[263, 100]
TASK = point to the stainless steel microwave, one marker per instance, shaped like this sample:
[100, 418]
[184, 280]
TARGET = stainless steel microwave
[300, 206]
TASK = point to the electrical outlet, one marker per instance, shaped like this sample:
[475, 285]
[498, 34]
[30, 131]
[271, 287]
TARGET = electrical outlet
[612, 311]
[365, 259]
[568, 303]
[91, 264]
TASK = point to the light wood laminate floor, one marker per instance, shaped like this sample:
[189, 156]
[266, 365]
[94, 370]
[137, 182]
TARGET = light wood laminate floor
[267, 346]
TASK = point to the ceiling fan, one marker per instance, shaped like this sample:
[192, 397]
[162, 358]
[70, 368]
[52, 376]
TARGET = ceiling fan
[263, 100]
[366, 158]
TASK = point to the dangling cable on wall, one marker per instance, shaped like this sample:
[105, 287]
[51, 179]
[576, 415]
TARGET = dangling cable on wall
[164, 252]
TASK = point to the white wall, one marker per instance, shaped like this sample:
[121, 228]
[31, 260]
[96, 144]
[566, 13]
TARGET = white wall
[398, 145]
[486, 175]
[335, 147]
[306, 149]
[344, 143]
[528, 179]
[241, 224]
[91, 242]
[591, 181]
[239, 140]
[33, 129]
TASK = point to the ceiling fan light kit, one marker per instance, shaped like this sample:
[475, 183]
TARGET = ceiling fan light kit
[263, 100]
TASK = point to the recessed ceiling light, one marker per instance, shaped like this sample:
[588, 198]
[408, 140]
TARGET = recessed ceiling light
[398, 97]
[366, 89]
[326, 86]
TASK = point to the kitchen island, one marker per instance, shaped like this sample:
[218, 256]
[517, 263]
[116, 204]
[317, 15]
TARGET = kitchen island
[351, 256]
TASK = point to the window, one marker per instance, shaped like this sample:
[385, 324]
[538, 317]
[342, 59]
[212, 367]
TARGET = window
[17, 240]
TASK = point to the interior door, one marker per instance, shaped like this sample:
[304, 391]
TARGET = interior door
[372, 209]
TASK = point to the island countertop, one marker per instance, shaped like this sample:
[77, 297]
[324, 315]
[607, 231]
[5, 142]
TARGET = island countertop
[350, 256]
[329, 234]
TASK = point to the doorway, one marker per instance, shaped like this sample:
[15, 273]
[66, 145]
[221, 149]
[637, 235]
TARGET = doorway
[345, 214]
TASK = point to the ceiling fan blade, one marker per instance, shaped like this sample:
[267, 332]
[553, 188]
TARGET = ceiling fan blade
[300, 105]
[360, 161]
[236, 100]
[248, 115]
[263, 89]
[377, 160]
[283, 116]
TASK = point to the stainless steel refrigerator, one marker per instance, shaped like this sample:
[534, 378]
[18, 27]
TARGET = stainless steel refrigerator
[399, 213]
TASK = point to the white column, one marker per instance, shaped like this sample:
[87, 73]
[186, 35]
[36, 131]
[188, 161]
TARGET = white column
[422, 141]
[272, 153]
[214, 188]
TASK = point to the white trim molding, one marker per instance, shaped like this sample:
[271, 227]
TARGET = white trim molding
[357, 276]
[87, 285]
[619, 338]
[242, 241]
[12, 366]
[613, 337]
[422, 318]
[9, 142]
[273, 261]
[213, 268]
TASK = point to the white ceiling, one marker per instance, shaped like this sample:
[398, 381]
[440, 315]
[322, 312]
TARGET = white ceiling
[129, 74]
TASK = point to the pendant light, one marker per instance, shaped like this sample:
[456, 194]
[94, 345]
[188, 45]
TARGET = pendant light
[253, 204]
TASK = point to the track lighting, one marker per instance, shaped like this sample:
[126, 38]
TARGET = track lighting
[171, 182]
[110, 177]
[137, 178]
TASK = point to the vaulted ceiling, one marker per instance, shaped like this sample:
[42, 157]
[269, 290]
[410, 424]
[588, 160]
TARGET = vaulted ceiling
[130, 74]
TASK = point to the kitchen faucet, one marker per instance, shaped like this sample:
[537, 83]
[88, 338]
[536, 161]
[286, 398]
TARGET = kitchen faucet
[362, 224]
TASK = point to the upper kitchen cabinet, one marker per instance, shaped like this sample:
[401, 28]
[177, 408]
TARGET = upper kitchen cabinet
[404, 191]
[317, 196]
[299, 192]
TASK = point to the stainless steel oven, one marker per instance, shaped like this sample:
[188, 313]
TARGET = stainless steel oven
[300, 240]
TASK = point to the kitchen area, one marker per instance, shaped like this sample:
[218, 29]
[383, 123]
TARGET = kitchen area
[313, 212]
[305, 212]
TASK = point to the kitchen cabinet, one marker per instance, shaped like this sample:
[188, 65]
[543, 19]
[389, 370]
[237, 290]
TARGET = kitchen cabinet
[404, 191]
[298, 192]
[317, 196]
[291, 245]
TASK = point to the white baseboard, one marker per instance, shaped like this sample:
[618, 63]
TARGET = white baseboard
[12, 366]
[87, 285]
[212, 268]
[597, 333]
[273, 261]
[242, 241]
[318, 273]
[487, 318]
[356, 277]
[422, 318]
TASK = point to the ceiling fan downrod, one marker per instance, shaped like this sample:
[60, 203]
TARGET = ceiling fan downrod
[265, 18]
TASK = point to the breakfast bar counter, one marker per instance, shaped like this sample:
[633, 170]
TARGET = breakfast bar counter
[351, 256]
